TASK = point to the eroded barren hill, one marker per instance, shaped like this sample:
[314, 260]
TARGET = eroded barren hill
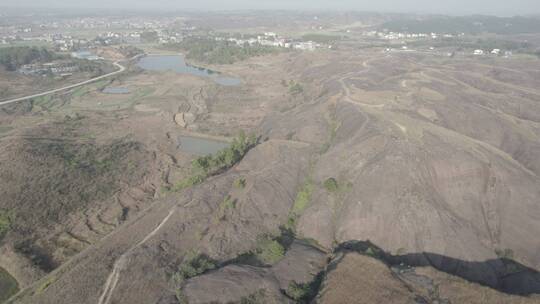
[434, 160]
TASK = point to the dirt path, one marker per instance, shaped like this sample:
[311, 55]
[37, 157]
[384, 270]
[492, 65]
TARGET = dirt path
[347, 97]
[121, 262]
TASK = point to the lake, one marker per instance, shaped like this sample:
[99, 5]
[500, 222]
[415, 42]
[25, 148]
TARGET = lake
[177, 64]
[200, 146]
[8, 285]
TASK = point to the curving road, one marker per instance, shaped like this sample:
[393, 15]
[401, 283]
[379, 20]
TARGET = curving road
[120, 67]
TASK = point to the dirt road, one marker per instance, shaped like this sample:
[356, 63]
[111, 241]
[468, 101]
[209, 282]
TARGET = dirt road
[121, 262]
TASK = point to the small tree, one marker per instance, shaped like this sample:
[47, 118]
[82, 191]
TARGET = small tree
[5, 223]
[331, 185]
[240, 183]
[298, 292]
[193, 265]
[269, 251]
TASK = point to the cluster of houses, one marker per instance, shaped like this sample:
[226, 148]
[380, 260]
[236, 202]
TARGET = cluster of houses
[7, 39]
[67, 43]
[274, 40]
[496, 52]
[51, 68]
[136, 37]
[113, 32]
[62, 43]
[401, 36]
[477, 52]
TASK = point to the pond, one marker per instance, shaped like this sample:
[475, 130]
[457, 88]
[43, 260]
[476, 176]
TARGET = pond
[177, 64]
[200, 146]
[116, 90]
[8, 285]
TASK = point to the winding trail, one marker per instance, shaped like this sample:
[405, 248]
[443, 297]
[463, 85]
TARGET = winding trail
[121, 262]
[347, 96]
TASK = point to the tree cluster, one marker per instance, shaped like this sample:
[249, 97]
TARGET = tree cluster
[210, 51]
[13, 58]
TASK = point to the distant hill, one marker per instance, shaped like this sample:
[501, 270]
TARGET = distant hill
[465, 24]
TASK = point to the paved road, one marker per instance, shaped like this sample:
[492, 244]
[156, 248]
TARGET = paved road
[120, 67]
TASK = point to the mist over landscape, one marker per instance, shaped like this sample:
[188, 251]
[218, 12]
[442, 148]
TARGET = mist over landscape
[253, 152]
[461, 7]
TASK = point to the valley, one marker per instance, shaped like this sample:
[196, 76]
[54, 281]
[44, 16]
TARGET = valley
[320, 176]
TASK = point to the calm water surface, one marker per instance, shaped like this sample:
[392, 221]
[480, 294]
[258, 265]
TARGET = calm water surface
[200, 146]
[177, 64]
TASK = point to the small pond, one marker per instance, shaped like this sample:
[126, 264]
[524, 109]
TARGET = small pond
[200, 146]
[8, 285]
[177, 64]
[116, 90]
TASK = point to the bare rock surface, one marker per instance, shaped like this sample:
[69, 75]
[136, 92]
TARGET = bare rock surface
[355, 278]
[301, 264]
[232, 283]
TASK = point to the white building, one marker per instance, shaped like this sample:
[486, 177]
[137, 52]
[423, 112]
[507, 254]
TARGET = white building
[85, 55]
[305, 46]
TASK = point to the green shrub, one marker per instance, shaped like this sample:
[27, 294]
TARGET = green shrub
[505, 254]
[228, 203]
[290, 135]
[401, 251]
[297, 291]
[188, 182]
[295, 88]
[193, 265]
[303, 293]
[5, 222]
[180, 297]
[258, 297]
[206, 166]
[331, 185]
[303, 197]
[240, 183]
[269, 251]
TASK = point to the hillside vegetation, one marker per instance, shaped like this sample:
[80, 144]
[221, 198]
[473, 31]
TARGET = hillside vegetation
[209, 165]
[220, 52]
[13, 58]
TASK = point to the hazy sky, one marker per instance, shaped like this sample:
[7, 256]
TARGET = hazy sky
[498, 7]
